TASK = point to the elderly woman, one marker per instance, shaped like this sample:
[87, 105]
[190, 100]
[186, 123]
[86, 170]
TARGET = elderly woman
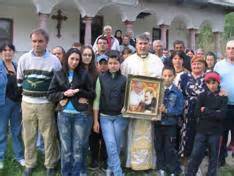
[192, 85]
[9, 105]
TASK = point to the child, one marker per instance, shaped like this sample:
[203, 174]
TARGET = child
[210, 110]
[165, 130]
[110, 88]
[101, 63]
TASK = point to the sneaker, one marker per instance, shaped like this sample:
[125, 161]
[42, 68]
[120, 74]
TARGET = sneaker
[1, 165]
[21, 162]
[108, 172]
[161, 172]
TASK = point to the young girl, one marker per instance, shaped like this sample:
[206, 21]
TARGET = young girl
[211, 60]
[110, 88]
[96, 141]
[73, 89]
[88, 61]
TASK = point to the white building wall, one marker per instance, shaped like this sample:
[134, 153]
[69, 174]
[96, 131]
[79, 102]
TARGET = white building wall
[70, 30]
[26, 19]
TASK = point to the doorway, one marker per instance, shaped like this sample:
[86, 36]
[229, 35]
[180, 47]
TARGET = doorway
[97, 25]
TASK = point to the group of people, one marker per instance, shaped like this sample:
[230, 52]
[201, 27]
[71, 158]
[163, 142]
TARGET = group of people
[75, 100]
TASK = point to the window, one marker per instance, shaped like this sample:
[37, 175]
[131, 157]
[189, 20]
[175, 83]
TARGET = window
[6, 30]
[156, 35]
[97, 25]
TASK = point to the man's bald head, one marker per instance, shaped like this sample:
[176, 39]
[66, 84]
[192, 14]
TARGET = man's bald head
[230, 50]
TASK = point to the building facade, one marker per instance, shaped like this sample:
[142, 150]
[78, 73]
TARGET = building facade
[68, 21]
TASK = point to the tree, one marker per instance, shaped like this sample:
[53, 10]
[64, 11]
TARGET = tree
[206, 40]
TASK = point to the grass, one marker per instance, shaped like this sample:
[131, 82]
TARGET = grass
[12, 168]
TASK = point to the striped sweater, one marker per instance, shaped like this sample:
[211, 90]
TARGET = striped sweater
[34, 75]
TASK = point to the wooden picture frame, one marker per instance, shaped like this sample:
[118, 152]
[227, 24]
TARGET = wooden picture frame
[143, 97]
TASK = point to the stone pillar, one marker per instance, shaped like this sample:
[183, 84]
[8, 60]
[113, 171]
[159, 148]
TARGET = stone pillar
[164, 29]
[217, 40]
[88, 30]
[43, 21]
[129, 25]
[192, 38]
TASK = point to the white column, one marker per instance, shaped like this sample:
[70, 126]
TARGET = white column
[192, 38]
[164, 29]
[88, 30]
[43, 21]
[217, 40]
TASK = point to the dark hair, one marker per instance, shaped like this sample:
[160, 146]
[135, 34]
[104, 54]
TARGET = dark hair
[68, 53]
[7, 44]
[40, 31]
[189, 50]
[210, 53]
[102, 38]
[76, 44]
[178, 42]
[126, 35]
[169, 68]
[177, 53]
[126, 49]
[113, 54]
[91, 67]
[118, 30]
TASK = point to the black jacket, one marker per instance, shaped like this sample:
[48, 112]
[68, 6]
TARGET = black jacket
[112, 93]
[81, 81]
[210, 121]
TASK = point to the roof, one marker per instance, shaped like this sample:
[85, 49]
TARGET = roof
[225, 3]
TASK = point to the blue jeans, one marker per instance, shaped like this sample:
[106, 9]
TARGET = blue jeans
[74, 130]
[113, 128]
[10, 111]
[201, 143]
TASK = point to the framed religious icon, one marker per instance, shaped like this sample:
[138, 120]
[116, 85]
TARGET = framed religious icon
[143, 97]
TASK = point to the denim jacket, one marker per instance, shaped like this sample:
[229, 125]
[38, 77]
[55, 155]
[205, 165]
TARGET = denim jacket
[3, 83]
[174, 103]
